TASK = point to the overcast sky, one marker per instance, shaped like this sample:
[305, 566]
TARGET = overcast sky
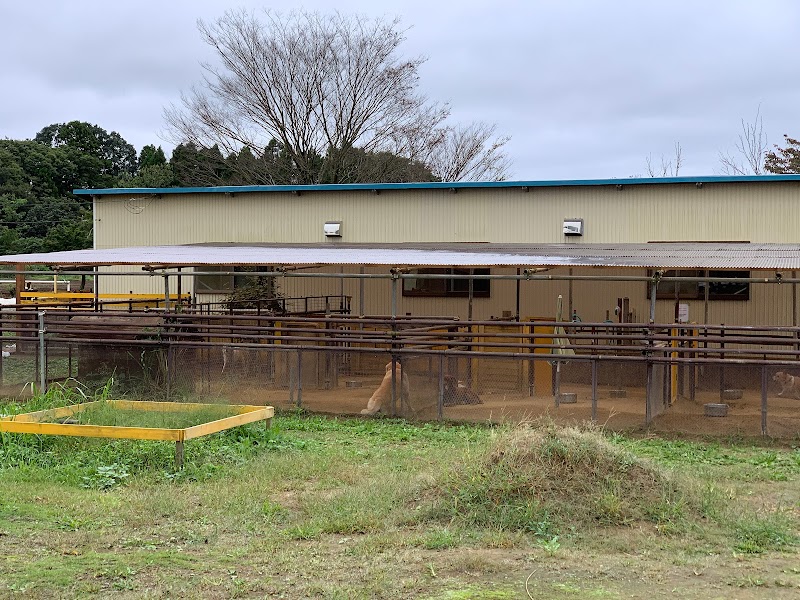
[585, 88]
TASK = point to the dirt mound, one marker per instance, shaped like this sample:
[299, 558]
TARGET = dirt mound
[542, 478]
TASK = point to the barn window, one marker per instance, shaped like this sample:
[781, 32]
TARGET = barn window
[696, 290]
[446, 287]
[220, 281]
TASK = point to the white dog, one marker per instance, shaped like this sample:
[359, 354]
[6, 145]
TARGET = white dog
[790, 385]
[383, 395]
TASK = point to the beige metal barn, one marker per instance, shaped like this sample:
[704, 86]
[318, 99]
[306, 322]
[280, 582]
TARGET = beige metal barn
[475, 269]
[681, 211]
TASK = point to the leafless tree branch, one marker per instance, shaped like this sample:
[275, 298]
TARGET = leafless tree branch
[321, 85]
[751, 147]
[668, 168]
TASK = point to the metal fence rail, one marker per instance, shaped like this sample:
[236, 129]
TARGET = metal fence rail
[453, 369]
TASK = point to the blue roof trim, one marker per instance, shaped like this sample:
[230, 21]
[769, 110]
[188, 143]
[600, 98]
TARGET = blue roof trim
[440, 185]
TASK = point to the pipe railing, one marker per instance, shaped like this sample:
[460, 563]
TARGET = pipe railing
[639, 341]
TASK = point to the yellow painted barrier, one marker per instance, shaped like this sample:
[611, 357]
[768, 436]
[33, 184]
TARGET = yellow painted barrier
[36, 422]
[140, 301]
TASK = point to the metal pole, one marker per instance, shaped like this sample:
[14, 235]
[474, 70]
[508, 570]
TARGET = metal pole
[722, 365]
[394, 385]
[96, 288]
[394, 337]
[292, 376]
[169, 371]
[470, 330]
[1, 353]
[517, 306]
[470, 295]
[569, 297]
[653, 292]
[764, 400]
[361, 294]
[42, 363]
[394, 297]
[166, 292]
[440, 402]
[649, 395]
[180, 287]
[299, 378]
[594, 391]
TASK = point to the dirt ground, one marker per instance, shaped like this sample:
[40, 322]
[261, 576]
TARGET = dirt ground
[684, 416]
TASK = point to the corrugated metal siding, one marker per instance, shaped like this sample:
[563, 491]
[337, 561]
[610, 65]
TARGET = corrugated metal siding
[744, 211]
[757, 212]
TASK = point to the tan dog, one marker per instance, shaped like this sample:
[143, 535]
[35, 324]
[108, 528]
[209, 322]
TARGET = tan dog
[383, 395]
[790, 385]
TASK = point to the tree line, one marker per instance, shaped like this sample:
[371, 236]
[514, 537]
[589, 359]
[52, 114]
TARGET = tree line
[39, 212]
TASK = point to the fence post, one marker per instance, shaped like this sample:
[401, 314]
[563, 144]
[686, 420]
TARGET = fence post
[299, 378]
[594, 390]
[648, 413]
[764, 400]
[2, 325]
[291, 367]
[722, 364]
[169, 371]
[42, 362]
[440, 401]
[394, 383]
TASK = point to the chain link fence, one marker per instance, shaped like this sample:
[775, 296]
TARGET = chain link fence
[703, 380]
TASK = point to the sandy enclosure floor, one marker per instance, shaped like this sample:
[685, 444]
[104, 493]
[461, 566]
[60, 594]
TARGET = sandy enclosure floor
[685, 415]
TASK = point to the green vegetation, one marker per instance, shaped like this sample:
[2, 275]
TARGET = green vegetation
[105, 413]
[355, 508]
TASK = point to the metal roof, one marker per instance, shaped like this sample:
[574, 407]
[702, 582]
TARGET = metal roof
[680, 255]
[457, 185]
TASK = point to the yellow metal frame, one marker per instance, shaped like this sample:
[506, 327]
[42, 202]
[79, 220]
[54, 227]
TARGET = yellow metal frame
[122, 300]
[35, 422]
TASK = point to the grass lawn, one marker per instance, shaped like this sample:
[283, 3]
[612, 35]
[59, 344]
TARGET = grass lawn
[353, 508]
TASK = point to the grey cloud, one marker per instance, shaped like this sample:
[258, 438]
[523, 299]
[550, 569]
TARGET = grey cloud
[586, 88]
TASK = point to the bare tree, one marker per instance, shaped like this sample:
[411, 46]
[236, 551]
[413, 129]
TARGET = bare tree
[320, 85]
[470, 152]
[751, 147]
[668, 168]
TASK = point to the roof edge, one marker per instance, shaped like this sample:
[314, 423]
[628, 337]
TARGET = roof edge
[453, 185]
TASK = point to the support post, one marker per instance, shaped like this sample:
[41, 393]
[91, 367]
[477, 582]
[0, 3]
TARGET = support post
[469, 327]
[394, 337]
[169, 361]
[361, 282]
[299, 378]
[722, 364]
[180, 288]
[594, 391]
[440, 401]
[291, 366]
[179, 455]
[394, 384]
[2, 324]
[764, 400]
[42, 362]
[96, 288]
[166, 292]
[19, 284]
[648, 413]
[570, 307]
